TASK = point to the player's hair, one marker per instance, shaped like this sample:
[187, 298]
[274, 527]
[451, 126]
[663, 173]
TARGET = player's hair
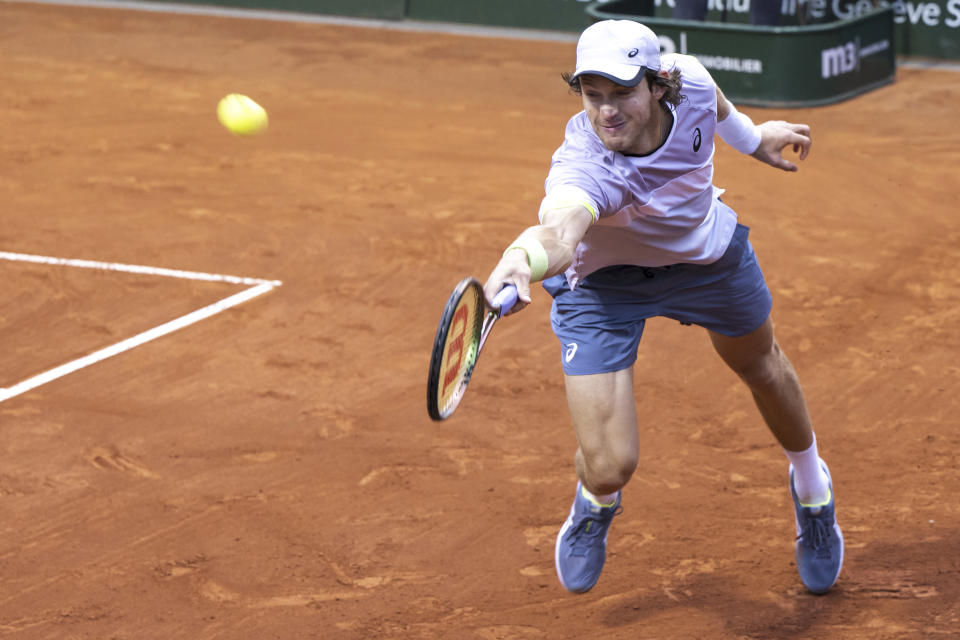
[673, 82]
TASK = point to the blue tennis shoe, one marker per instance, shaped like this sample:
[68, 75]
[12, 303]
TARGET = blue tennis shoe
[819, 547]
[582, 543]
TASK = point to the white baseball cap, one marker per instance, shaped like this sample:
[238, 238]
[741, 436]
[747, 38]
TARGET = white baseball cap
[619, 50]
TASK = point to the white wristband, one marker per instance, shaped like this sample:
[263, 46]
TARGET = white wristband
[738, 131]
[536, 255]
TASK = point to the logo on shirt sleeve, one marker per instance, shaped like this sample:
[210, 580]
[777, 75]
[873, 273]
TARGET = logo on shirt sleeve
[696, 139]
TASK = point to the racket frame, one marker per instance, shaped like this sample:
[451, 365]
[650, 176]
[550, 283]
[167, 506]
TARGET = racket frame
[483, 323]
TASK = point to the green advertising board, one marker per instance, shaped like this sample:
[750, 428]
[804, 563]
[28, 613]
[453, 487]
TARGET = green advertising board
[780, 66]
[924, 28]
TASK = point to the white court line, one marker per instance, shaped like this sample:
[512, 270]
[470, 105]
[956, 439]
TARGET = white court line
[133, 268]
[258, 287]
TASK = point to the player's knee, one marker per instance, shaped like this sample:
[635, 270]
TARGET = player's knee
[610, 471]
[765, 371]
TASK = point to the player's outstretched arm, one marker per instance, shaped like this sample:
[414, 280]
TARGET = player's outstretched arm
[765, 142]
[539, 252]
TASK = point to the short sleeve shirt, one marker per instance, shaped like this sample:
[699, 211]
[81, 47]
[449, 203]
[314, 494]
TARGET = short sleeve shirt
[657, 209]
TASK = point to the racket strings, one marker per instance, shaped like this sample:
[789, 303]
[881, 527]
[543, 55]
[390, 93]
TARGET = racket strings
[460, 335]
[459, 352]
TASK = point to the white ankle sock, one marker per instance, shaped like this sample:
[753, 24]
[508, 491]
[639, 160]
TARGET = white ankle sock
[809, 480]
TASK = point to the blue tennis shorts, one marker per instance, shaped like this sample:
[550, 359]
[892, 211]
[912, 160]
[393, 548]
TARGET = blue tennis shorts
[599, 323]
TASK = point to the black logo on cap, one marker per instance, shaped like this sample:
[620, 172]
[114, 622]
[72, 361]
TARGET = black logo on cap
[633, 53]
[696, 139]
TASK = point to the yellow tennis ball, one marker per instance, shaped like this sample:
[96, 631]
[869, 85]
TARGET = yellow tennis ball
[241, 115]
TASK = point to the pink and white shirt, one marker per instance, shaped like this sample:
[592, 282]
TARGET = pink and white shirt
[652, 210]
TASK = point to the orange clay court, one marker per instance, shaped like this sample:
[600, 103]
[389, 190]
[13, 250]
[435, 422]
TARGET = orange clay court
[270, 471]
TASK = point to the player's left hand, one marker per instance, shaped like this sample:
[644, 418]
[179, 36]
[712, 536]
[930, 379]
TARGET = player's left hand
[775, 135]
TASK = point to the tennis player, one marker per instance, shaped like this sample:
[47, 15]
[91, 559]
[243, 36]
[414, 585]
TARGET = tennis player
[632, 227]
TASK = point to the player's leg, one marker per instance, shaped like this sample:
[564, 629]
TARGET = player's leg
[599, 325]
[731, 300]
[757, 359]
[605, 421]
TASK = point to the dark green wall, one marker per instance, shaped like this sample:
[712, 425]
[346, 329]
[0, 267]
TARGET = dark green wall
[554, 15]
[382, 9]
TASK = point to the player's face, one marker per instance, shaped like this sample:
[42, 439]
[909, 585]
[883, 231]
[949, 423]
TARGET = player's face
[626, 119]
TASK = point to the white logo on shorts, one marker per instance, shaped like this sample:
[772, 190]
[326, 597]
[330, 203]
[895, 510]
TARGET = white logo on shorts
[571, 351]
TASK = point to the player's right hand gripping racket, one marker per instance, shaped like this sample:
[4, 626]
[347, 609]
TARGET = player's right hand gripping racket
[464, 326]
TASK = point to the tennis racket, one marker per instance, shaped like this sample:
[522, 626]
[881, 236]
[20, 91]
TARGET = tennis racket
[464, 326]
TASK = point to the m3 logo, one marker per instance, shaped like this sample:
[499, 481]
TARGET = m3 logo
[846, 58]
[837, 61]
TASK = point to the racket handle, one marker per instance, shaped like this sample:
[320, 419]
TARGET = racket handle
[505, 300]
